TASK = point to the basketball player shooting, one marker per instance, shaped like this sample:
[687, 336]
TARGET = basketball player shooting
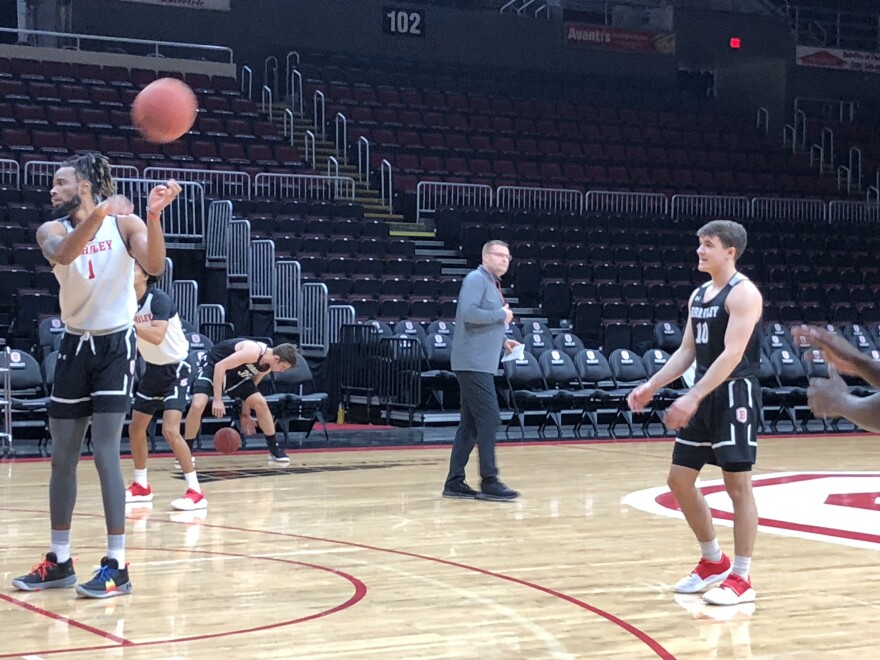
[92, 246]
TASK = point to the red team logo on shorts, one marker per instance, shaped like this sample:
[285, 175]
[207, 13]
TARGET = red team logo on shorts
[742, 415]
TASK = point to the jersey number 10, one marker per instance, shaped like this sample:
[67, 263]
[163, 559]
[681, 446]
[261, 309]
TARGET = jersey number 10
[702, 334]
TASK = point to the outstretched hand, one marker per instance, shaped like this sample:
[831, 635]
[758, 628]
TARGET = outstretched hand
[838, 351]
[162, 195]
[639, 398]
[825, 394]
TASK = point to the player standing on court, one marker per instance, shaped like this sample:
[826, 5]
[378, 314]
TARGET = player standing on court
[717, 419]
[164, 386]
[92, 247]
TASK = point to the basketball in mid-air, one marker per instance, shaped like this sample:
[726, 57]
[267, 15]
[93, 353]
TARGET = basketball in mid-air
[227, 440]
[164, 110]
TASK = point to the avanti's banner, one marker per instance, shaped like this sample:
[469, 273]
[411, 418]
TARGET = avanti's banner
[838, 58]
[617, 39]
[216, 5]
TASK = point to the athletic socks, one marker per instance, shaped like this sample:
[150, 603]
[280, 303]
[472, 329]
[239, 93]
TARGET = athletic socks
[140, 477]
[116, 548]
[192, 481]
[711, 550]
[60, 544]
[741, 566]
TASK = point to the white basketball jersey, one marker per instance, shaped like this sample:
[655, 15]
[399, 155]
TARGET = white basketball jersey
[97, 288]
[174, 347]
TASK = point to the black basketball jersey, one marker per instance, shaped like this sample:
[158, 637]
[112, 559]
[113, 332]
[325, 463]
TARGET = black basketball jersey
[709, 324]
[247, 370]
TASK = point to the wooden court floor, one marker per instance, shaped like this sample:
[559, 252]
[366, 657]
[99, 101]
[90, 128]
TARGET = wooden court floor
[354, 554]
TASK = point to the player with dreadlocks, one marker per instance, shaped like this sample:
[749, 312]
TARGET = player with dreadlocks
[92, 245]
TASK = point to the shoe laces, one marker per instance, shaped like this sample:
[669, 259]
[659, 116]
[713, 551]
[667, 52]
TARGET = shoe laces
[105, 573]
[43, 567]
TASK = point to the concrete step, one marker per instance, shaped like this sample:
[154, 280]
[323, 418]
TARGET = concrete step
[446, 270]
[394, 217]
[432, 245]
[433, 252]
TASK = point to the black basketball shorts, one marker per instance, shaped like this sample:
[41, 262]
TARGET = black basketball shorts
[163, 387]
[94, 374]
[724, 430]
[234, 385]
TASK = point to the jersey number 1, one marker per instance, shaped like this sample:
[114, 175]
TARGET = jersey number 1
[702, 335]
[91, 270]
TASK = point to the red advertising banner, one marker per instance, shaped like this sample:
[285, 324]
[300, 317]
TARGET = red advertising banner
[616, 39]
[838, 58]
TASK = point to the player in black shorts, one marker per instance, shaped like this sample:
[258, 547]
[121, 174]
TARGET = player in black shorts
[717, 419]
[235, 367]
[164, 387]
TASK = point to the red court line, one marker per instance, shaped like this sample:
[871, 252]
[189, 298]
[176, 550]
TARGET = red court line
[360, 590]
[71, 622]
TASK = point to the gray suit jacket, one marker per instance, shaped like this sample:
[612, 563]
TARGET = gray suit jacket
[479, 324]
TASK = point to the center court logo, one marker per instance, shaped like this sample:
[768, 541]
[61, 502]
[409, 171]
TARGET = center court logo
[833, 507]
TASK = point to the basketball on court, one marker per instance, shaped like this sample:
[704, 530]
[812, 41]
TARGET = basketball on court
[227, 440]
[164, 110]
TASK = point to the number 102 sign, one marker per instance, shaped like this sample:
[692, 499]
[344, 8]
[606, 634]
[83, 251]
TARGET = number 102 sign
[403, 22]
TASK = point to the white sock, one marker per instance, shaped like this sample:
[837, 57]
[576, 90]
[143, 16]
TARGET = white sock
[140, 476]
[192, 481]
[116, 548]
[711, 550]
[60, 544]
[741, 566]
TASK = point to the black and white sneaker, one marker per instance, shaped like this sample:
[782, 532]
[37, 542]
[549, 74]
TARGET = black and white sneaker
[277, 454]
[496, 491]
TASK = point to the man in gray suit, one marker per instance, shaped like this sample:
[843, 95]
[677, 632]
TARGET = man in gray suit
[480, 321]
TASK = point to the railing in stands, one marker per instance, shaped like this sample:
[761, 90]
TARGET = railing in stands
[183, 221]
[762, 120]
[732, 207]
[516, 198]
[319, 107]
[223, 184]
[296, 93]
[219, 217]
[270, 77]
[266, 102]
[185, 294]
[341, 125]
[288, 280]
[210, 313]
[39, 173]
[247, 82]
[158, 49]
[303, 186]
[631, 203]
[386, 176]
[10, 173]
[340, 315]
[261, 274]
[165, 281]
[783, 208]
[289, 68]
[238, 240]
[314, 326]
[309, 148]
[846, 211]
[433, 195]
[287, 126]
[364, 161]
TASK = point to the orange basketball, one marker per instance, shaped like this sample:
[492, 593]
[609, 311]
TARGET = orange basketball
[164, 110]
[227, 440]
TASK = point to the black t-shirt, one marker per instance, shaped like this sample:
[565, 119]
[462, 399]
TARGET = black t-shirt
[226, 348]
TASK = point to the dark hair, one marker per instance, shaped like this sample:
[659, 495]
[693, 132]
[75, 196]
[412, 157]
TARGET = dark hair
[95, 169]
[730, 233]
[286, 353]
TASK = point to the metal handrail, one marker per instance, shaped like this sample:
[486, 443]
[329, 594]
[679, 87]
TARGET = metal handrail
[387, 170]
[79, 38]
[287, 71]
[296, 96]
[341, 119]
[364, 160]
[319, 128]
[266, 101]
[762, 120]
[333, 171]
[288, 124]
[526, 5]
[270, 64]
[247, 74]
[309, 141]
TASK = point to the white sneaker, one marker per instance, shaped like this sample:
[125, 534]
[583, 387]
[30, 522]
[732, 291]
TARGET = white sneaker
[706, 574]
[191, 500]
[733, 591]
[137, 493]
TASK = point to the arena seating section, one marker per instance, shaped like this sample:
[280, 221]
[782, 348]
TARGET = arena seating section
[615, 277]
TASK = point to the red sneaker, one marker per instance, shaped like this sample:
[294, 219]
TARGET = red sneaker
[191, 500]
[138, 493]
[706, 574]
[734, 590]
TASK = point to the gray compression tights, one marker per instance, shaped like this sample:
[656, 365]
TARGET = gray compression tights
[67, 439]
